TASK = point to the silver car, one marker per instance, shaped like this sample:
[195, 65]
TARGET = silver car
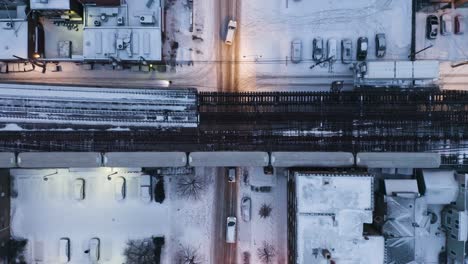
[346, 51]
[296, 51]
[246, 205]
[317, 50]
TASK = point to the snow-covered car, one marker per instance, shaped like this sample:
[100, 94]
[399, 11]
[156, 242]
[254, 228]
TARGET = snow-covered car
[317, 49]
[231, 174]
[145, 188]
[459, 24]
[446, 24]
[346, 49]
[119, 188]
[362, 47]
[231, 222]
[94, 249]
[332, 53]
[380, 45]
[432, 26]
[231, 32]
[296, 51]
[79, 189]
[246, 205]
[64, 250]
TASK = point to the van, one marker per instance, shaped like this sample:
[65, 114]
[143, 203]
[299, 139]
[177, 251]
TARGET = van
[231, 31]
[64, 250]
[332, 49]
[231, 222]
[94, 248]
[296, 51]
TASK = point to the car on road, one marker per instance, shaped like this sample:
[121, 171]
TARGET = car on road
[231, 223]
[64, 250]
[432, 26]
[317, 49]
[79, 189]
[380, 45]
[145, 188]
[94, 249]
[246, 207]
[459, 24]
[231, 32]
[296, 51]
[119, 188]
[346, 49]
[446, 25]
[362, 47]
[231, 173]
[332, 53]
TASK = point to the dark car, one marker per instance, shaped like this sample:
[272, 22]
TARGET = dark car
[459, 24]
[346, 49]
[362, 47]
[432, 26]
[317, 50]
[380, 45]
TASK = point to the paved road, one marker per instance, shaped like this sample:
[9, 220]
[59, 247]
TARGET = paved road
[226, 205]
[227, 70]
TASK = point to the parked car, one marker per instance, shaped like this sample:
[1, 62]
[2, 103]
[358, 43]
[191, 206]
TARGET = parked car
[432, 26]
[296, 51]
[231, 222]
[94, 249]
[459, 24]
[119, 188]
[380, 45]
[79, 189]
[317, 49]
[145, 188]
[64, 250]
[362, 47]
[346, 49]
[260, 188]
[231, 32]
[332, 49]
[231, 173]
[446, 26]
[246, 205]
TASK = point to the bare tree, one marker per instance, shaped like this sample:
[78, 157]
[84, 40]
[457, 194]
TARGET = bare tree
[191, 186]
[266, 253]
[188, 255]
[265, 210]
[140, 251]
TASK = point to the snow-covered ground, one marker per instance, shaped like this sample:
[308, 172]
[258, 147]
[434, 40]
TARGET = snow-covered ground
[45, 211]
[272, 229]
[268, 27]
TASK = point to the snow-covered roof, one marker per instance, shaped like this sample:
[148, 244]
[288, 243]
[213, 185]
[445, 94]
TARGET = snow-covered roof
[13, 39]
[329, 193]
[50, 4]
[331, 211]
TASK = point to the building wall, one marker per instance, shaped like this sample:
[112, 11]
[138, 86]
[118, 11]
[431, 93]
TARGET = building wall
[461, 3]
[4, 204]
[291, 218]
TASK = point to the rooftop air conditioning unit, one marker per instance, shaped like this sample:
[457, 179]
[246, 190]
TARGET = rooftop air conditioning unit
[8, 25]
[120, 21]
[120, 44]
[147, 19]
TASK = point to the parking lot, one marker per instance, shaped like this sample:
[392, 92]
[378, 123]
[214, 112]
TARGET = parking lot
[266, 36]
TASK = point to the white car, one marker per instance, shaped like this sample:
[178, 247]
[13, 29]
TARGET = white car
[246, 205]
[446, 24]
[231, 222]
[231, 174]
[332, 52]
[64, 250]
[231, 32]
[145, 188]
[79, 189]
[94, 249]
[119, 188]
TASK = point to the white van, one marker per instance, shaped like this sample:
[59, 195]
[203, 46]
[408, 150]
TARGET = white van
[231, 222]
[296, 51]
[332, 49]
[64, 250]
[231, 31]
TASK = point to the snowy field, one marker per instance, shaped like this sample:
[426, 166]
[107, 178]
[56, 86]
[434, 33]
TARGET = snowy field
[45, 211]
[268, 27]
[272, 229]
